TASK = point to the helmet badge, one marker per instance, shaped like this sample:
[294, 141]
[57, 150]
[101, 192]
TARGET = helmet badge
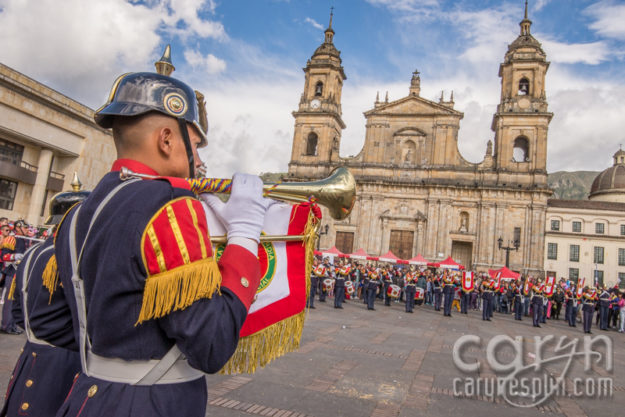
[175, 104]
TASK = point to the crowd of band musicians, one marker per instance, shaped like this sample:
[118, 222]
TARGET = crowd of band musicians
[443, 289]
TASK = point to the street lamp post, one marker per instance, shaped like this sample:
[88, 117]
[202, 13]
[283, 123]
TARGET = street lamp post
[322, 231]
[515, 246]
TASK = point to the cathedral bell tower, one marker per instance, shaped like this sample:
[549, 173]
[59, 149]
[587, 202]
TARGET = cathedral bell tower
[318, 122]
[522, 119]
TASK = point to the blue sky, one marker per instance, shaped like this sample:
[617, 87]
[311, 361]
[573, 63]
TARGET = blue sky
[247, 56]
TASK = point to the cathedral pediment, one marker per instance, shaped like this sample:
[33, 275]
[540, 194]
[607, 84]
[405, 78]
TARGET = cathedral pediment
[413, 105]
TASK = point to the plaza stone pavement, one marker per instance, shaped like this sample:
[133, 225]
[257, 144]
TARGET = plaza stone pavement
[358, 363]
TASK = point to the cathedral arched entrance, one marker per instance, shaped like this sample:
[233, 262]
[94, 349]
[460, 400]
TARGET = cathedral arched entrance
[462, 252]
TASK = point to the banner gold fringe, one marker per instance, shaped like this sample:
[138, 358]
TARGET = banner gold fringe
[262, 347]
[179, 288]
[51, 276]
[11, 295]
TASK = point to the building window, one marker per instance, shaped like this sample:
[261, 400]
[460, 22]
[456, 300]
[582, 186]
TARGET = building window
[573, 274]
[311, 144]
[599, 228]
[345, 242]
[7, 194]
[598, 278]
[517, 236]
[319, 89]
[623, 230]
[552, 251]
[598, 258]
[555, 225]
[574, 253]
[577, 227]
[524, 86]
[621, 280]
[521, 150]
[11, 152]
[621, 257]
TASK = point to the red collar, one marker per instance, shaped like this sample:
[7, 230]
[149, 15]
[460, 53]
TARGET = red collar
[134, 166]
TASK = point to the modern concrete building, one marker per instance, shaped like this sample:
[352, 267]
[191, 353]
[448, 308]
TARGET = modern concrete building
[44, 138]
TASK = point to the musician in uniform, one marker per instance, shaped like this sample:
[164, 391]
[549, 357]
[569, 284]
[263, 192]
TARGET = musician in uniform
[49, 361]
[314, 283]
[324, 273]
[518, 301]
[487, 294]
[448, 291]
[339, 285]
[11, 252]
[569, 307]
[589, 298]
[387, 280]
[546, 304]
[372, 288]
[151, 307]
[604, 308]
[537, 303]
[527, 295]
[465, 298]
[410, 281]
[438, 292]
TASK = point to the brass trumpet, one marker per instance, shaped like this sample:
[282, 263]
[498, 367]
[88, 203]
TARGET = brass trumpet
[337, 193]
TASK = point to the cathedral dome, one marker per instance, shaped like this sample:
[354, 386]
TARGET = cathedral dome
[609, 185]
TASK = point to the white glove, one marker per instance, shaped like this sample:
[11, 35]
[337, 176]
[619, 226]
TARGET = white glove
[18, 257]
[243, 215]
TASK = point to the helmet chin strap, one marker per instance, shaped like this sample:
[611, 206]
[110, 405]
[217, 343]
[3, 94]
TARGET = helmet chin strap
[182, 124]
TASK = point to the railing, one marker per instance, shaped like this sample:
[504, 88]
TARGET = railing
[57, 175]
[28, 166]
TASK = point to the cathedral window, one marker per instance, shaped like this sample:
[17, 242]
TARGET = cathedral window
[318, 89]
[524, 87]
[311, 144]
[520, 153]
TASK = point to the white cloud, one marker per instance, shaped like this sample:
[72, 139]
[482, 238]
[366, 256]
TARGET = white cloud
[410, 10]
[79, 47]
[610, 18]
[539, 4]
[251, 127]
[405, 5]
[587, 53]
[314, 23]
[487, 31]
[208, 64]
[187, 13]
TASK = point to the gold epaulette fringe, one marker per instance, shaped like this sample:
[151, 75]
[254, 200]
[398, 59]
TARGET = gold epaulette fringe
[11, 295]
[179, 288]
[262, 347]
[50, 276]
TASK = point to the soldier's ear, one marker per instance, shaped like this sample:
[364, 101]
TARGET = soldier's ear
[165, 140]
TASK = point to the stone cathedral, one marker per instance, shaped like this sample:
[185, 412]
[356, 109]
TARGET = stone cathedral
[416, 193]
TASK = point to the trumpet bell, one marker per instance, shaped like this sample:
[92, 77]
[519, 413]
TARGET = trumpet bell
[337, 192]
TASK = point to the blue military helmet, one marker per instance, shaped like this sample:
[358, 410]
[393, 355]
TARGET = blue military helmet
[63, 201]
[137, 93]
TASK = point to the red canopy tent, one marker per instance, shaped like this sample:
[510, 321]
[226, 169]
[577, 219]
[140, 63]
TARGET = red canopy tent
[333, 252]
[391, 258]
[449, 263]
[359, 254]
[418, 260]
[505, 273]
[317, 253]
